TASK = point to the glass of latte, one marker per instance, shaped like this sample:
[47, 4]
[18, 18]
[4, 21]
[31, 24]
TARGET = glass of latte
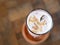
[37, 27]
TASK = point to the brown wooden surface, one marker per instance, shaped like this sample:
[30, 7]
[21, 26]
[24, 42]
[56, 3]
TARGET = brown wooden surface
[10, 26]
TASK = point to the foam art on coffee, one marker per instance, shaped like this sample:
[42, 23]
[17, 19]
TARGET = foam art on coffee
[39, 21]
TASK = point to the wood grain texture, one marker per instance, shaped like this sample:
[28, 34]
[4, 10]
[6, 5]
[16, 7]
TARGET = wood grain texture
[52, 5]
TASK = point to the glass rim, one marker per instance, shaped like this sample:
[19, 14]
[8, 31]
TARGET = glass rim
[34, 10]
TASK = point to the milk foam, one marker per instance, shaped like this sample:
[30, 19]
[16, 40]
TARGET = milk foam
[41, 28]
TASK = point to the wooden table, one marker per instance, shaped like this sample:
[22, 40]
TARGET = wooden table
[12, 18]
